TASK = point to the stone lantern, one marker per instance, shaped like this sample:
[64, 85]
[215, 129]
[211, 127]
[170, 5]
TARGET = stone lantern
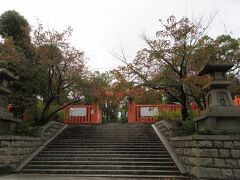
[220, 114]
[7, 122]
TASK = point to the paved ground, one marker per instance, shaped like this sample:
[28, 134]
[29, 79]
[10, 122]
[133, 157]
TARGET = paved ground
[62, 177]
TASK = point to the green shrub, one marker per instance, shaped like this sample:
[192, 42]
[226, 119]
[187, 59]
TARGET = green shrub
[59, 116]
[193, 114]
[36, 113]
[169, 115]
[188, 127]
[26, 128]
[185, 127]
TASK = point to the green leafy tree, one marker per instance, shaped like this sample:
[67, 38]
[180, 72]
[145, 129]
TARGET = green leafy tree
[15, 30]
[53, 73]
[61, 65]
[15, 26]
[12, 24]
[170, 61]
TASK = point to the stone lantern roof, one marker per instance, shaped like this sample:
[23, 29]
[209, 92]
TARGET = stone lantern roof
[4, 73]
[211, 68]
[217, 72]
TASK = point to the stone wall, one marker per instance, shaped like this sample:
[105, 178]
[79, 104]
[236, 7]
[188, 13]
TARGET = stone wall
[206, 156]
[14, 149]
[209, 156]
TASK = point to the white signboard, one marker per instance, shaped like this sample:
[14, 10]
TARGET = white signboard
[77, 111]
[148, 111]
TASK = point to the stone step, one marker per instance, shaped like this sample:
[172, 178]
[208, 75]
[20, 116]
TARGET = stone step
[108, 143]
[104, 146]
[102, 141]
[105, 155]
[136, 163]
[105, 149]
[103, 152]
[123, 176]
[108, 150]
[109, 132]
[161, 159]
[103, 171]
[102, 132]
[107, 135]
[103, 166]
[81, 139]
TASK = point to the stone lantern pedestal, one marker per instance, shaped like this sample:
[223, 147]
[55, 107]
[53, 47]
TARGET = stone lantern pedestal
[8, 123]
[220, 114]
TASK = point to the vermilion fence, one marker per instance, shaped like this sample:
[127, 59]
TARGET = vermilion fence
[78, 114]
[81, 114]
[142, 111]
[236, 101]
[147, 113]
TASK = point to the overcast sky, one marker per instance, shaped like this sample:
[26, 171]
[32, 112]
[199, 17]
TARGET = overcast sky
[102, 26]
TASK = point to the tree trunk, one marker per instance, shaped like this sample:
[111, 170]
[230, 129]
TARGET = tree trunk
[200, 106]
[184, 112]
[45, 111]
[184, 103]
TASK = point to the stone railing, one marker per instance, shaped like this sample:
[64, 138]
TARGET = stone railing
[205, 156]
[165, 127]
[48, 130]
[15, 149]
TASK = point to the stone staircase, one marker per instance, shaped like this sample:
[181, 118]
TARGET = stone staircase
[114, 150]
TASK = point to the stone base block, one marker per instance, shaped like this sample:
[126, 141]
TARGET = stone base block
[219, 119]
[218, 125]
[7, 126]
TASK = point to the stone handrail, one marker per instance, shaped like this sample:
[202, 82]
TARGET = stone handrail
[41, 130]
[164, 136]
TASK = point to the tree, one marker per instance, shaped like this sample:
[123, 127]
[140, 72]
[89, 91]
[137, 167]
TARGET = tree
[171, 60]
[168, 59]
[12, 24]
[234, 86]
[57, 64]
[62, 64]
[123, 88]
[15, 26]
[15, 29]
[99, 86]
[224, 49]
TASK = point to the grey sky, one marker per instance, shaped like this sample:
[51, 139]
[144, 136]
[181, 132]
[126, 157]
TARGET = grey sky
[101, 26]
